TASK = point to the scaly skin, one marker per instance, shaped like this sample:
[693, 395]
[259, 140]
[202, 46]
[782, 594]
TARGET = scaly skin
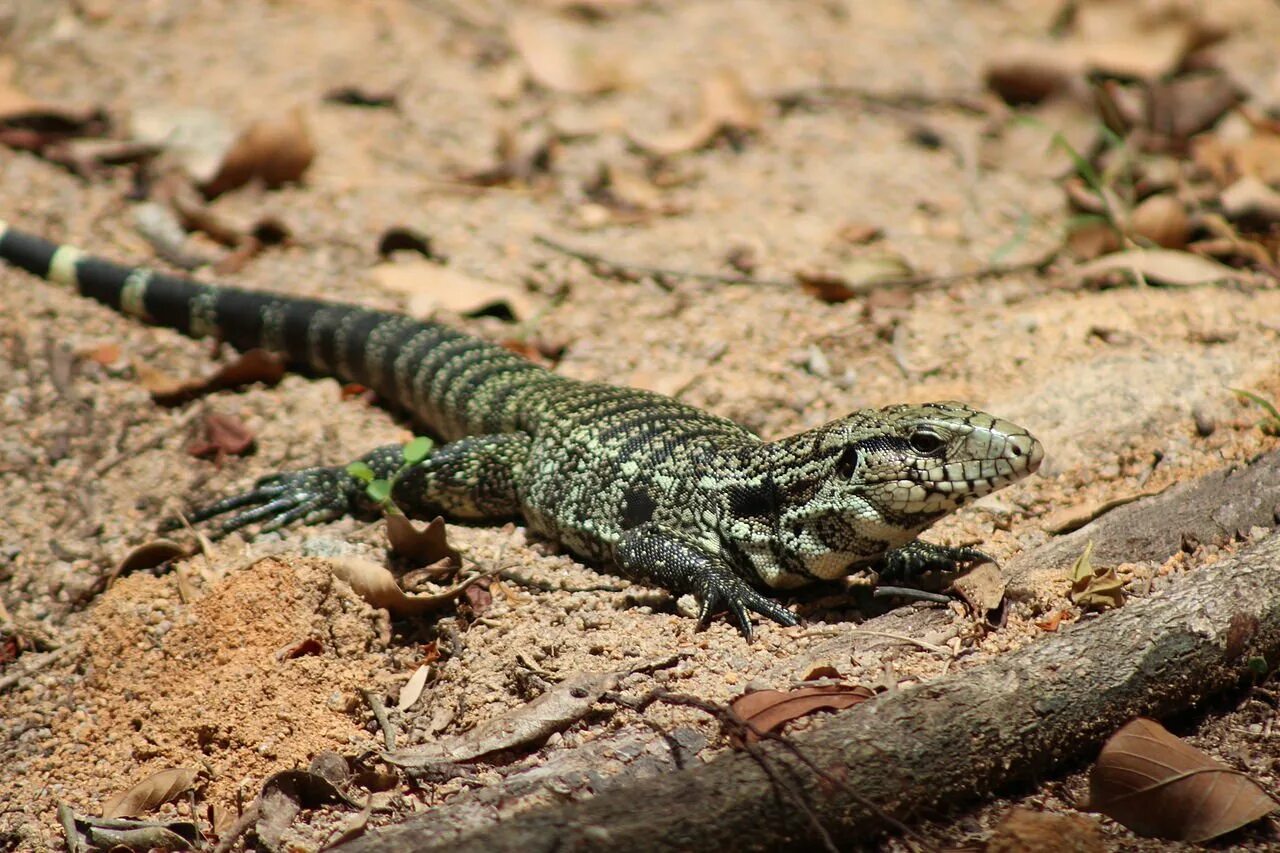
[625, 478]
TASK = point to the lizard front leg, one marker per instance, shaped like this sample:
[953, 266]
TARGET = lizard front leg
[679, 563]
[473, 478]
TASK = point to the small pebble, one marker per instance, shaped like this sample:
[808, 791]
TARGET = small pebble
[1205, 423]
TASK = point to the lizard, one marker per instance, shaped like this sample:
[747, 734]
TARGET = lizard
[625, 479]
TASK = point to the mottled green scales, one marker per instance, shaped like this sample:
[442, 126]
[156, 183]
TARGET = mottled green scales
[624, 478]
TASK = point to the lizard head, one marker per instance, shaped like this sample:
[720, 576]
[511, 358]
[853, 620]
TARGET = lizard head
[871, 481]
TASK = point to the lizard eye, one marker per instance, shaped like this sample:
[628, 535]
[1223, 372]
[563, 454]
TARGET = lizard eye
[926, 442]
[847, 464]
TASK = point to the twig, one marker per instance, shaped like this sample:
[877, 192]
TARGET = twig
[240, 827]
[730, 718]
[618, 269]
[903, 638]
[909, 592]
[155, 439]
[35, 663]
[969, 103]
[380, 714]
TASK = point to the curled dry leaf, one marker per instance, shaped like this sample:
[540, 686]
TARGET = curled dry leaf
[432, 287]
[275, 151]
[532, 723]
[1162, 220]
[223, 436]
[151, 554]
[255, 365]
[854, 277]
[422, 546]
[1073, 518]
[982, 588]
[376, 585]
[151, 792]
[563, 58]
[195, 140]
[765, 711]
[1094, 588]
[1157, 785]
[725, 107]
[287, 793]
[412, 689]
[303, 648]
[1025, 830]
[33, 125]
[1159, 266]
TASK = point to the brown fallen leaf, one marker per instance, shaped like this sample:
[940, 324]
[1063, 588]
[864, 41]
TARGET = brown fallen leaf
[431, 287]
[255, 365]
[725, 108]
[223, 436]
[1159, 266]
[1157, 785]
[524, 156]
[1250, 198]
[1025, 830]
[30, 124]
[1055, 619]
[358, 96]
[765, 711]
[859, 233]
[1162, 220]
[376, 585]
[562, 57]
[275, 151]
[1094, 588]
[853, 277]
[303, 648]
[532, 723]
[153, 554]
[982, 588]
[412, 688]
[1073, 518]
[151, 792]
[104, 354]
[1177, 109]
[403, 239]
[195, 140]
[423, 546]
[287, 793]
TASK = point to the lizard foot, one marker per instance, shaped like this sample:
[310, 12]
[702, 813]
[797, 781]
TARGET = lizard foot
[917, 558]
[311, 495]
[723, 591]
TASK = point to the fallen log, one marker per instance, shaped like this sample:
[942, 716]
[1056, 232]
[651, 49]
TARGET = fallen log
[949, 741]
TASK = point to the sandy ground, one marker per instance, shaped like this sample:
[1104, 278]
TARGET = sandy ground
[185, 669]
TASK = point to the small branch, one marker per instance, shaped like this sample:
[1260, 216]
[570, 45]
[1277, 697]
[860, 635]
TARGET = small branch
[906, 100]
[380, 714]
[618, 269]
[903, 638]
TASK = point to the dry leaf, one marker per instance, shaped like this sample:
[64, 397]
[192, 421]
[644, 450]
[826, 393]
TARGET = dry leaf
[1073, 518]
[1094, 588]
[1184, 106]
[561, 706]
[151, 792]
[1160, 266]
[1055, 619]
[822, 670]
[357, 96]
[765, 711]
[275, 151]
[563, 58]
[1162, 220]
[1157, 785]
[376, 585]
[859, 233]
[105, 354]
[431, 288]
[422, 547]
[854, 277]
[33, 125]
[224, 436]
[982, 588]
[256, 365]
[412, 689]
[303, 648]
[1025, 830]
[195, 140]
[1250, 198]
[151, 554]
[725, 106]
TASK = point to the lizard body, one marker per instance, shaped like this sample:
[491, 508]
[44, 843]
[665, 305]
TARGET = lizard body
[658, 489]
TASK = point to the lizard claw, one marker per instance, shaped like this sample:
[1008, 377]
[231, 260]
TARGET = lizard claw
[311, 495]
[729, 592]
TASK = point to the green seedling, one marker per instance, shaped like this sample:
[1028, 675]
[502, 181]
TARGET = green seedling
[380, 489]
[1270, 425]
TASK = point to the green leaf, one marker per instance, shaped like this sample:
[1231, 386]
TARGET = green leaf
[1082, 166]
[417, 450]
[1258, 666]
[361, 472]
[379, 490]
[1269, 425]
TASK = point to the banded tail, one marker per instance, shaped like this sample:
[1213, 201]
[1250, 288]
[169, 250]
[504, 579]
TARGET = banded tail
[450, 381]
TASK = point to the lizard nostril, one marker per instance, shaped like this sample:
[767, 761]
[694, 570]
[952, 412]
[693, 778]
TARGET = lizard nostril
[1017, 450]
